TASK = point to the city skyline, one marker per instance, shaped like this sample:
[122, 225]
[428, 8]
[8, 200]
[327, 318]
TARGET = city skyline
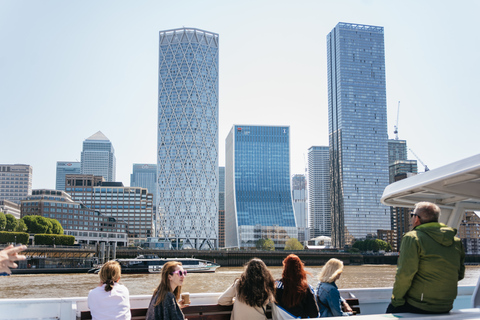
[108, 70]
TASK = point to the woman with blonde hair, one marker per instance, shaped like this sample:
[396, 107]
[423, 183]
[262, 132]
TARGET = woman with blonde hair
[251, 293]
[166, 303]
[110, 300]
[328, 296]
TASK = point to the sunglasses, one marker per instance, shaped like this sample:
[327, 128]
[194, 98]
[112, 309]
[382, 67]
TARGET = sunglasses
[413, 215]
[180, 273]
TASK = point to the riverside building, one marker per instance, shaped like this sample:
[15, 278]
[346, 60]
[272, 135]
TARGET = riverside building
[258, 198]
[64, 168]
[357, 116]
[133, 205]
[98, 157]
[319, 192]
[187, 154]
[15, 182]
[300, 205]
[86, 225]
[221, 207]
[145, 176]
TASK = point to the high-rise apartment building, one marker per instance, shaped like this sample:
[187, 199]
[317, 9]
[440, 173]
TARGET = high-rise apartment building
[300, 205]
[319, 191]
[64, 168]
[15, 182]
[98, 157]
[357, 115]
[187, 158]
[145, 176]
[258, 198]
[221, 207]
[133, 205]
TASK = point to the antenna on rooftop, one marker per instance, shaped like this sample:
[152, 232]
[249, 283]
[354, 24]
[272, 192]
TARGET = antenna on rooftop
[395, 131]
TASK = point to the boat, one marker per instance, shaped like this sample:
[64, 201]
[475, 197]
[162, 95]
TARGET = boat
[154, 264]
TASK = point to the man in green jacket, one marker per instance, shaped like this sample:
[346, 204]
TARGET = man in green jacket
[430, 264]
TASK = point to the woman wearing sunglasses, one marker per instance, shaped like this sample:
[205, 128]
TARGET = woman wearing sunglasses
[166, 303]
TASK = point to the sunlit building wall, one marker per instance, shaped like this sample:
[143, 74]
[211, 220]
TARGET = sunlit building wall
[300, 205]
[15, 182]
[98, 157]
[319, 191]
[64, 168]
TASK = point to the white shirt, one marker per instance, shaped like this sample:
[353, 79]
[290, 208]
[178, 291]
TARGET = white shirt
[111, 305]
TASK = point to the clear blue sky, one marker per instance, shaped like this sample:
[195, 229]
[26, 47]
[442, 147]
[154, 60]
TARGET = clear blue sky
[71, 68]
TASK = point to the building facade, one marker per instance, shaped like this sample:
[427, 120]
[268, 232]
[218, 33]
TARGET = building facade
[98, 157]
[357, 115]
[319, 191]
[258, 198]
[300, 205]
[132, 205]
[64, 168]
[221, 207]
[9, 207]
[15, 182]
[145, 176]
[469, 232]
[187, 158]
[86, 225]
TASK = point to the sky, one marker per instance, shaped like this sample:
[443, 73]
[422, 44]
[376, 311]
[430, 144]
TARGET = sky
[71, 68]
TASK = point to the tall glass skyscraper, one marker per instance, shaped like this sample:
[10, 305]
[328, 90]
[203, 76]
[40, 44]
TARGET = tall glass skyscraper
[357, 115]
[64, 168]
[319, 191]
[144, 175]
[98, 157]
[258, 198]
[300, 205]
[187, 162]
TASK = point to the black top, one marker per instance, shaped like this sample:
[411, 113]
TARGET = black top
[307, 308]
[167, 310]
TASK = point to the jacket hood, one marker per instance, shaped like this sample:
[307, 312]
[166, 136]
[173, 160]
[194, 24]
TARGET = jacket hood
[439, 232]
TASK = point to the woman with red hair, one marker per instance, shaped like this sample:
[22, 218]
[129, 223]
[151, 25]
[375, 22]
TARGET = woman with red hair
[293, 293]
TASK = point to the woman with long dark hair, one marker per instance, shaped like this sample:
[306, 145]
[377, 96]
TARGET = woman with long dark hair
[166, 303]
[251, 292]
[293, 293]
[110, 300]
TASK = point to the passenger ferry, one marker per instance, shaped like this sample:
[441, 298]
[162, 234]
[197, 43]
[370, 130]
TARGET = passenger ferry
[454, 188]
[154, 264]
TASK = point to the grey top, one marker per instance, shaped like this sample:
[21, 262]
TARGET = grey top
[167, 310]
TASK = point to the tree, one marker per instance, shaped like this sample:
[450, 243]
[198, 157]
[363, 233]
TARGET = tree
[38, 224]
[3, 221]
[11, 222]
[265, 244]
[293, 244]
[56, 227]
[21, 226]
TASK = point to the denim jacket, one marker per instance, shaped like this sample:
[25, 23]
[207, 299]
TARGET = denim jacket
[329, 300]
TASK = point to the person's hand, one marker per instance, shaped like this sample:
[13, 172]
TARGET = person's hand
[8, 255]
[347, 307]
[182, 304]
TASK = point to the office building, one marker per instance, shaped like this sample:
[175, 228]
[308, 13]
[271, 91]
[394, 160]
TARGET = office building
[300, 205]
[469, 232]
[98, 157]
[187, 158]
[145, 176]
[64, 168]
[133, 205]
[86, 225]
[319, 191]
[258, 198]
[9, 207]
[15, 182]
[221, 207]
[357, 115]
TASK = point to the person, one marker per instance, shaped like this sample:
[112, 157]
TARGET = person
[110, 300]
[8, 256]
[251, 293]
[293, 293]
[430, 263]
[328, 297]
[166, 303]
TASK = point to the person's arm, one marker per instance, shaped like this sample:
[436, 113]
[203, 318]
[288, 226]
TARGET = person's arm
[461, 273]
[8, 256]
[311, 307]
[227, 298]
[407, 267]
[335, 303]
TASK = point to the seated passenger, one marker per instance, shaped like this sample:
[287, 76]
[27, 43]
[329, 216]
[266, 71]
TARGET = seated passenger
[166, 303]
[110, 300]
[251, 293]
[328, 296]
[293, 293]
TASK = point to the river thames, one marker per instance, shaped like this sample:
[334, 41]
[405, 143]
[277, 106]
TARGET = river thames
[78, 285]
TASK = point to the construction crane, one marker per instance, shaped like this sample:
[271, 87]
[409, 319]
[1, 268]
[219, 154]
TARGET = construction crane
[419, 160]
[395, 131]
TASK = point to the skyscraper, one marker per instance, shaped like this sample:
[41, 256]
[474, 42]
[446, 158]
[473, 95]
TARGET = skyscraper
[187, 161]
[221, 207]
[15, 182]
[319, 192]
[357, 115]
[300, 205]
[145, 176]
[258, 199]
[98, 157]
[64, 168]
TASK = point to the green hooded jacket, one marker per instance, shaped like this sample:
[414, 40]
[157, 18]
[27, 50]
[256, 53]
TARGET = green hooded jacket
[430, 264]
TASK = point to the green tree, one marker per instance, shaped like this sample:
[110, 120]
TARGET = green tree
[3, 221]
[293, 244]
[265, 244]
[56, 227]
[11, 222]
[38, 224]
[21, 226]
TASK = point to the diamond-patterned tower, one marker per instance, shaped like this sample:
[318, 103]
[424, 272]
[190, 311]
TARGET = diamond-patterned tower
[188, 138]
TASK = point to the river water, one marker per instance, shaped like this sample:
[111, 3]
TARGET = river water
[78, 285]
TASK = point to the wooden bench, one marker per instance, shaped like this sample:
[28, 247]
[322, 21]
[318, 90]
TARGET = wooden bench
[354, 304]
